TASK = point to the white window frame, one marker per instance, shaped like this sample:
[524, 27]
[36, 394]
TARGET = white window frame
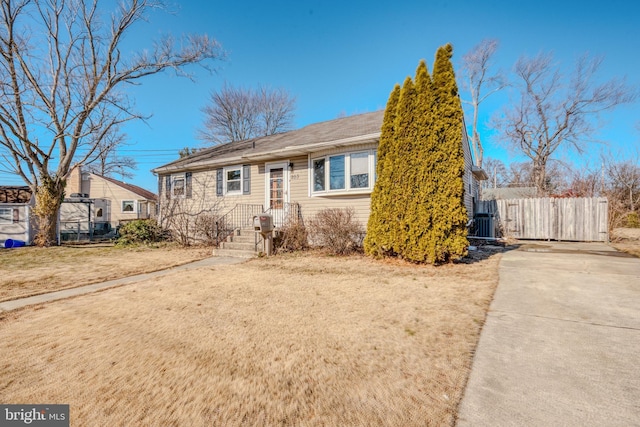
[133, 204]
[225, 181]
[371, 170]
[8, 215]
[178, 177]
[312, 178]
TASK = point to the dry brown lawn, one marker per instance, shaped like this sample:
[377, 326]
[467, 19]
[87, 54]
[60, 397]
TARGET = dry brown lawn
[31, 271]
[630, 247]
[627, 240]
[303, 340]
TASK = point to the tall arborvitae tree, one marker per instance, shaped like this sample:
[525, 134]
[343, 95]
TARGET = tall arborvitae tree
[377, 241]
[419, 213]
[404, 133]
[449, 238]
[417, 206]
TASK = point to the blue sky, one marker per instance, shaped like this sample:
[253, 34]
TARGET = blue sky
[345, 57]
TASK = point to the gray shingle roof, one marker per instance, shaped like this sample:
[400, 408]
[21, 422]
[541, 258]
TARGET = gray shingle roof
[504, 193]
[333, 130]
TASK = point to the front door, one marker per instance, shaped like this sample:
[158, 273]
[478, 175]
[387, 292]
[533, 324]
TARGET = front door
[277, 194]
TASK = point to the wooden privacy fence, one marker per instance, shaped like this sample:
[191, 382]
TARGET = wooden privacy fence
[575, 219]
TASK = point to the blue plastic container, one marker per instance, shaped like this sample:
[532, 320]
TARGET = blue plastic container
[10, 243]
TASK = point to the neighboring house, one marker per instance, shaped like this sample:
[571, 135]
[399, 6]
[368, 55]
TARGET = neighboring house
[324, 165]
[125, 202]
[16, 204]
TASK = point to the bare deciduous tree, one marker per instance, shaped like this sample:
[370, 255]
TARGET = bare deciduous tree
[236, 114]
[585, 181]
[624, 181]
[497, 173]
[61, 71]
[277, 110]
[107, 162]
[555, 112]
[619, 182]
[476, 66]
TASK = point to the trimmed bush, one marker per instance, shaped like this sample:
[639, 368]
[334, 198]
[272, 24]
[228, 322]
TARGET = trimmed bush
[337, 231]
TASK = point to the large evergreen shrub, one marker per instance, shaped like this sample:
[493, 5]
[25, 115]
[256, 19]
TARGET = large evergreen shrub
[417, 206]
[377, 241]
[450, 215]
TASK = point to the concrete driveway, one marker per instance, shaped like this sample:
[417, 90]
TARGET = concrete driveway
[561, 344]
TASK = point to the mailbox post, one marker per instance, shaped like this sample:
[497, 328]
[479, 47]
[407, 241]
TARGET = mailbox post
[263, 224]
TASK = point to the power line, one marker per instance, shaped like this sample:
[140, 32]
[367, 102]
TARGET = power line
[118, 150]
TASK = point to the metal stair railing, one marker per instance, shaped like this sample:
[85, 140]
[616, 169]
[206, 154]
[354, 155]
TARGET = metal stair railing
[240, 216]
[289, 213]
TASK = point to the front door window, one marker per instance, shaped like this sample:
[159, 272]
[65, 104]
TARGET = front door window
[276, 188]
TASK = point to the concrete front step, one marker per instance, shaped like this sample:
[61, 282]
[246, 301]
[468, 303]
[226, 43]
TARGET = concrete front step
[243, 238]
[242, 246]
[234, 253]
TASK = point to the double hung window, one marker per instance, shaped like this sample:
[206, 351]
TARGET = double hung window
[233, 179]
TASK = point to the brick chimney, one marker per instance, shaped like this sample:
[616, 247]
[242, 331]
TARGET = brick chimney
[74, 182]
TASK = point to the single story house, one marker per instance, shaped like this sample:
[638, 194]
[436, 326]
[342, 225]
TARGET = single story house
[16, 204]
[124, 202]
[323, 165]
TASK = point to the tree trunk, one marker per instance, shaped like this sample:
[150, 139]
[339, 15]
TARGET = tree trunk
[540, 177]
[49, 197]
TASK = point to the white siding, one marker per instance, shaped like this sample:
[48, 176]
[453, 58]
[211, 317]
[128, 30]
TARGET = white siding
[299, 178]
[16, 230]
[470, 184]
[204, 198]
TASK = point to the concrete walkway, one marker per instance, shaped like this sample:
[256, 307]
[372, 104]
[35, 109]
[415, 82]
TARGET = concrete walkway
[561, 345]
[67, 293]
